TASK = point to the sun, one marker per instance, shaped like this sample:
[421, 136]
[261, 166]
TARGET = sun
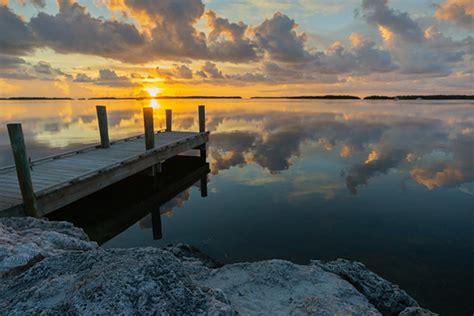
[153, 91]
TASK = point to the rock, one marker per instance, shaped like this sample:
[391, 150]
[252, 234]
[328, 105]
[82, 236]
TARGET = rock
[388, 298]
[26, 240]
[52, 268]
[278, 287]
[190, 253]
[416, 311]
[140, 281]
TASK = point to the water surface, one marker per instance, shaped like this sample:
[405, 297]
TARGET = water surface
[390, 184]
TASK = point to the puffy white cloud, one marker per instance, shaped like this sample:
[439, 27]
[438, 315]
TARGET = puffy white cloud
[228, 41]
[278, 38]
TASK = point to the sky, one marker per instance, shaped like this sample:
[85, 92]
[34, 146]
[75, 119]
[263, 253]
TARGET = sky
[90, 48]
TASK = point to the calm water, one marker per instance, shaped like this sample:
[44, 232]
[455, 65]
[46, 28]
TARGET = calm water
[390, 184]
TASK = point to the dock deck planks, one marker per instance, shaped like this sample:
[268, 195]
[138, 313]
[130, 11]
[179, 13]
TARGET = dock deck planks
[62, 179]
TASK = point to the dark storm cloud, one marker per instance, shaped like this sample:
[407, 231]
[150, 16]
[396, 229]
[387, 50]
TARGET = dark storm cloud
[74, 30]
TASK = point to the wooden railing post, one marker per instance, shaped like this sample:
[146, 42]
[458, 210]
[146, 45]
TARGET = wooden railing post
[202, 118]
[149, 128]
[202, 129]
[169, 120]
[22, 164]
[103, 126]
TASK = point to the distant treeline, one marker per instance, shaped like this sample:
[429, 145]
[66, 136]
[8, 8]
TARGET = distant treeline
[168, 97]
[333, 97]
[330, 97]
[35, 98]
[421, 97]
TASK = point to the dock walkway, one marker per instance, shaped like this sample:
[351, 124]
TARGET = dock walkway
[59, 180]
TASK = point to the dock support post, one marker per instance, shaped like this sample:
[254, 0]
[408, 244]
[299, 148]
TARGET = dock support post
[156, 224]
[22, 164]
[202, 129]
[204, 186]
[169, 120]
[103, 126]
[150, 135]
[149, 128]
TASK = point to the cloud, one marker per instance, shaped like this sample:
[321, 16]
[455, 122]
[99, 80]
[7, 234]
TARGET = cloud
[9, 62]
[228, 41]
[210, 70]
[80, 77]
[108, 77]
[399, 23]
[278, 38]
[176, 72]
[457, 11]
[450, 173]
[74, 30]
[416, 51]
[16, 68]
[15, 35]
[36, 3]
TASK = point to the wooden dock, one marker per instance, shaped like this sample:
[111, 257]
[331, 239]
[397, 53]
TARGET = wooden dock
[36, 188]
[107, 213]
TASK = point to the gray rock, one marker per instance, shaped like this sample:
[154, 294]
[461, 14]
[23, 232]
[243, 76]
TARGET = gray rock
[52, 268]
[416, 311]
[278, 287]
[27, 240]
[110, 282]
[388, 298]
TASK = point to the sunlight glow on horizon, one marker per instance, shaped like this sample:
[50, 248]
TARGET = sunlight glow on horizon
[153, 91]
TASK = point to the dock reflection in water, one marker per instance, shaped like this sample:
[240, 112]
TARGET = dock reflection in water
[112, 210]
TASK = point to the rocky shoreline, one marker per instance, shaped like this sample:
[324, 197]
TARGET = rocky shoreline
[53, 268]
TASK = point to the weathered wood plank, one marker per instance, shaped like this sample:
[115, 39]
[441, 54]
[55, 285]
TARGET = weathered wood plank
[64, 179]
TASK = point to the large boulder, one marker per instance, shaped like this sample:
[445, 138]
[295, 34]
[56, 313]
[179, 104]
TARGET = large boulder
[27, 240]
[388, 298]
[53, 268]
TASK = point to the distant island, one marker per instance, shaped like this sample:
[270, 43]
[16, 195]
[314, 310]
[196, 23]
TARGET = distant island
[330, 97]
[421, 97]
[127, 98]
[35, 98]
[167, 97]
[302, 97]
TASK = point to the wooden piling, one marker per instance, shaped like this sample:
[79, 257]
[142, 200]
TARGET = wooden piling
[169, 120]
[103, 126]
[202, 129]
[149, 128]
[22, 165]
[204, 186]
[202, 118]
[156, 224]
